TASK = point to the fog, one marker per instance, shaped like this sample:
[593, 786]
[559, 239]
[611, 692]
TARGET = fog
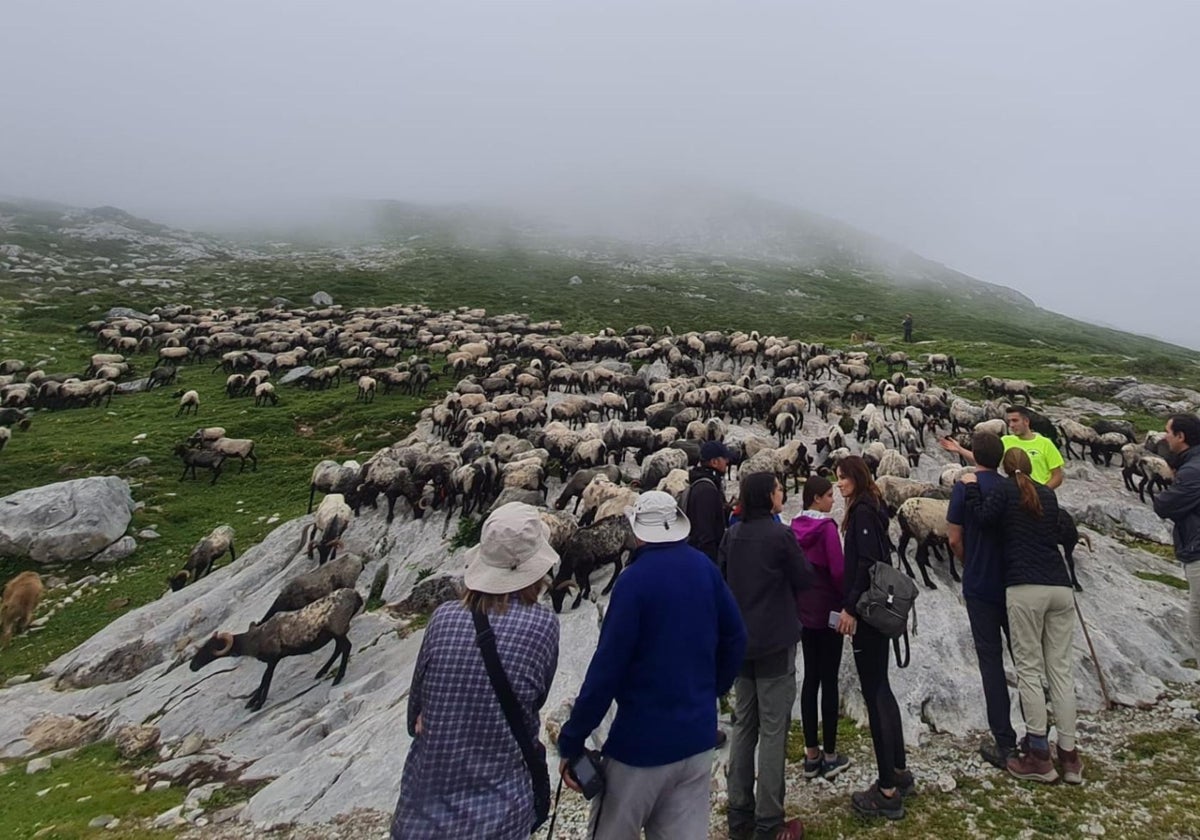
[1046, 147]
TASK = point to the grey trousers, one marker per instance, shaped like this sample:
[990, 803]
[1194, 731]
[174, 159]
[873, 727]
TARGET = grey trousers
[1192, 572]
[763, 711]
[671, 802]
[1041, 620]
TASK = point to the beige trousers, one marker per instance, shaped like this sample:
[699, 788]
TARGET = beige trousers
[1041, 620]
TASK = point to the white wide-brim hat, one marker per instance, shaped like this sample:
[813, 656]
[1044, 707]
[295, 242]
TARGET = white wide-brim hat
[514, 551]
[656, 518]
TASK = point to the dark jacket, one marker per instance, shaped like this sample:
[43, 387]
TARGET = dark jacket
[765, 567]
[1181, 504]
[671, 644]
[865, 543]
[1031, 554]
[706, 510]
[822, 545]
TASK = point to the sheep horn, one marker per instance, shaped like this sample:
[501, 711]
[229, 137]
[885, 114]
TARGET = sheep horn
[228, 639]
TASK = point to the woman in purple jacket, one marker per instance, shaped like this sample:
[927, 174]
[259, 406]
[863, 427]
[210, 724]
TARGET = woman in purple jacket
[817, 532]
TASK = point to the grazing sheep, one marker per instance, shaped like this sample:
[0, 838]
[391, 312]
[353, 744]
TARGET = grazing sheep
[366, 388]
[206, 434]
[311, 586]
[289, 634]
[21, 597]
[264, 392]
[161, 375]
[189, 402]
[603, 542]
[1124, 428]
[892, 463]
[924, 520]
[562, 527]
[330, 522]
[580, 479]
[203, 458]
[203, 555]
[332, 477]
[1107, 445]
[1009, 388]
[658, 464]
[598, 491]
[1155, 472]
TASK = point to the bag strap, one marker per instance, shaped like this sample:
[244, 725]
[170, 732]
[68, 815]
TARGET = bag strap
[901, 663]
[486, 639]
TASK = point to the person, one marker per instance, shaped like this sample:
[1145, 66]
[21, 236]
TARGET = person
[465, 774]
[765, 569]
[817, 533]
[1047, 461]
[982, 554]
[705, 505]
[908, 324]
[864, 530]
[1181, 504]
[1041, 612]
[671, 643]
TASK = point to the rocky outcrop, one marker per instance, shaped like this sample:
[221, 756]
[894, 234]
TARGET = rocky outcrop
[67, 521]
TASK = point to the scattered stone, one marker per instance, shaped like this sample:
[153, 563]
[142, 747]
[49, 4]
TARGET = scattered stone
[133, 739]
[102, 821]
[161, 784]
[37, 765]
[138, 463]
[322, 299]
[119, 550]
[148, 534]
[192, 744]
[946, 783]
[197, 796]
[17, 680]
[118, 604]
[169, 818]
[60, 732]
[227, 814]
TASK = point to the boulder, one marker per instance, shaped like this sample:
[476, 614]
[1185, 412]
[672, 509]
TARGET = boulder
[126, 312]
[133, 740]
[67, 521]
[295, 373]
[133, 386]
[62, 732]
[322, 299]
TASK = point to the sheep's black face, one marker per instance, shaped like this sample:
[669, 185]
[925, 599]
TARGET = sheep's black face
[208, 652]
[178, 581]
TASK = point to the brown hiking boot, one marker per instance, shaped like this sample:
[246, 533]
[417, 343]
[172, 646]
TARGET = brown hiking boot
[1034, 766]
[1072, 766]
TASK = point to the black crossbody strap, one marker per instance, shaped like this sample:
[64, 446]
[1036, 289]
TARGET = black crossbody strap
[486, 639]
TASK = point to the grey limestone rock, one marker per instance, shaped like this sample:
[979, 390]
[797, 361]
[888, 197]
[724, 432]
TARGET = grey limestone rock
[66, 521]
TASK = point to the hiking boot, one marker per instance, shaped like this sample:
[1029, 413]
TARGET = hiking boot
[1034, 766]
[872, 803]
[905, 783]
[831, 767]
[1072, 766]
[814, 767]
[994, 755]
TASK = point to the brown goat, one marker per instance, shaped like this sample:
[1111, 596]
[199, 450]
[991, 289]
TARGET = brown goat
[21, 597]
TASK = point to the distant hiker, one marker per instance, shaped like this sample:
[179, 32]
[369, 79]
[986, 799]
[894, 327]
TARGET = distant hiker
[704, 505]
[1041, 612]
[766, 570]
[466, 775]
[865, 533]
[671, 643]
[1181, 504]
[907, 323]
[817, 532]
[1047, 461]
[981, 551]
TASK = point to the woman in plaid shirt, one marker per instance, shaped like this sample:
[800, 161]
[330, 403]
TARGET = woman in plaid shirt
[465, 775]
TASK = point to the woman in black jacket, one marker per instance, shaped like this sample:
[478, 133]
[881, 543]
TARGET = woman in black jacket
[1041, 613]
[765, 568]
[864, 531]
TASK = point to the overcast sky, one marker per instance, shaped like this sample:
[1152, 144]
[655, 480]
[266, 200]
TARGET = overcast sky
[1047, 146]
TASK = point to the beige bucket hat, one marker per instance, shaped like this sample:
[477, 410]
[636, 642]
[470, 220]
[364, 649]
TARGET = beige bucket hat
[655, 518]
[513, 552]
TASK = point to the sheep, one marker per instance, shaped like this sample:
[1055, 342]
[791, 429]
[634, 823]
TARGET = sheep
[835, 438]
[909, 441]
[5, 435]
[332, 477]
[996, 426]
[562, 527]
[1107, 445]
[386, 472]
[203, 555]
[312, 586]
[189, 402]
[202, 458]
[1075, 432]
[264, 392]
[1011, 388]
[526, 474]
[785, 427]
[616, 504]
[605, 541]
[15, 417]
[289, 634]
[240, 448]
[598, 491]
[925, 521]
[658, 464]
[892, 463]
[588, 453]
[952, 473]
[965, 416]
[366, 388]
[675, 483]
[1154, 472]
[205, 434]
[161, 375]
[21, 596]
[574, 486]
[896, 491]
[330, 522]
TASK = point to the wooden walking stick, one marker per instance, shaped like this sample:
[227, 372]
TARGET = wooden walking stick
[1108, 703]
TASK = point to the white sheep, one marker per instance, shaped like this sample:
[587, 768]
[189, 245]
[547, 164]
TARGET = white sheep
[366, 388]
[675, 483]
[189, 403]
[892, 463]
[240, 448]
[264, 392]
[925, 521]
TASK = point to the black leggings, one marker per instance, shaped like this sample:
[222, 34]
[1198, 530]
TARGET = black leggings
[872, 651]
[822, 660]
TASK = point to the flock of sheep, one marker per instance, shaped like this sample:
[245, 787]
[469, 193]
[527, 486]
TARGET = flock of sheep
[604, 414]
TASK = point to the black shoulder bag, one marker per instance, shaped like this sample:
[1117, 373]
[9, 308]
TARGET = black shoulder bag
[532, 751]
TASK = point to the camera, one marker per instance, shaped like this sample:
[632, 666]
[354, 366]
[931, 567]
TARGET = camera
[588, 773]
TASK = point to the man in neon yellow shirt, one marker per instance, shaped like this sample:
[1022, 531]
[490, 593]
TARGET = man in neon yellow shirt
[1047, 461]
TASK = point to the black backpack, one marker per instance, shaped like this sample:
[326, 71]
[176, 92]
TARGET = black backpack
[887, 603]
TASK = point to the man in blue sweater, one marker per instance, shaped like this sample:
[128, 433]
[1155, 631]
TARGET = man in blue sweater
[671, 644]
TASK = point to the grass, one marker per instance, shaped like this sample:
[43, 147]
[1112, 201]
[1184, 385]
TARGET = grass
[96, 772]
[1169, 580]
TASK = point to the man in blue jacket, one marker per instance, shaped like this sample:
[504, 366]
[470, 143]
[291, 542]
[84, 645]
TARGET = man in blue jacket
[671, 644]
[1181, 504]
